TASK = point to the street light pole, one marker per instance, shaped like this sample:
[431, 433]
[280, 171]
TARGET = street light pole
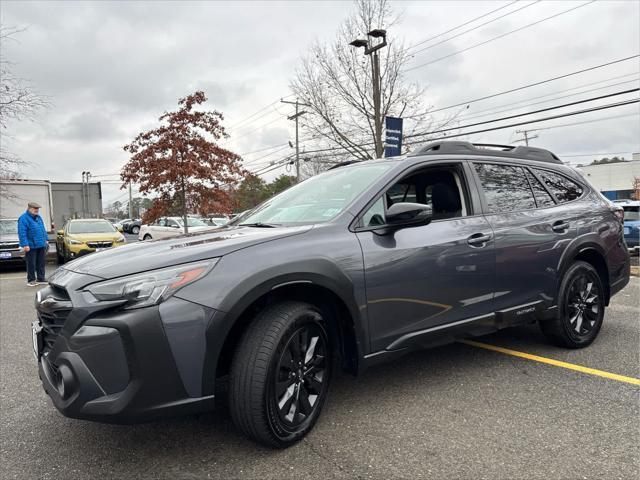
[372, 51]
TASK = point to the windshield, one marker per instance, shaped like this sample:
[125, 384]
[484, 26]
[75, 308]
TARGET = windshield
[193, 222]
[632, 213]
[318, 199]
[91, 227]
[8, 227]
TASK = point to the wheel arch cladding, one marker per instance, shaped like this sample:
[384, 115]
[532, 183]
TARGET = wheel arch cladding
[341, 324]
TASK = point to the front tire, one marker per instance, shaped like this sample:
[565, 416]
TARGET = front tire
[280, 374]
[135, 230]
[147, 237]
[580, 314]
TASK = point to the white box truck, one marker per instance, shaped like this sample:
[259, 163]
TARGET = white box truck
[15, 194]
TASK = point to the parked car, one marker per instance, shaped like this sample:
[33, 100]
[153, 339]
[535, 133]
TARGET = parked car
[132, 226]
[120, 223]
[86, 235]
[215, 221]
[166, 227]
[353, 267]
[632, 225]
[10, 250]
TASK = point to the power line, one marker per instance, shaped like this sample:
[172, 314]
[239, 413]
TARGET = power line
[428, 47]
[602, 119]
[536, 120]
[499, 36]
[590, 154]
[541, 82]
[257, 112]
[461, 25]
[494, 111]
[509, 117]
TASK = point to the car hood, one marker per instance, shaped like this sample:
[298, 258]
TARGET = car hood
[152, 254]
[95, 237]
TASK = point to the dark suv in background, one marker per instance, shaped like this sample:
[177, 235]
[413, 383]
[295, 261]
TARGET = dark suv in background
[353, 267]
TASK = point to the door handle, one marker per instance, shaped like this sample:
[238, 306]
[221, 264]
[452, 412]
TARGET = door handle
[560, 226]
[478, 240]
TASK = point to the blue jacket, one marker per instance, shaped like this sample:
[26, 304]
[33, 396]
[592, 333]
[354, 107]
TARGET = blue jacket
[31, 231]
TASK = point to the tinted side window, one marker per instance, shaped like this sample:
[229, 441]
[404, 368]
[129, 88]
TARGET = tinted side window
[564, 189]
[543, 199]
[505, 187]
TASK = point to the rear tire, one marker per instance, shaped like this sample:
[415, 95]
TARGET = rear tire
[580, 308]
[135, 230]
[280, 374]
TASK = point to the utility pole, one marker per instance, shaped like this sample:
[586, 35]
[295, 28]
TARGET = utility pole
[130, 202]
[86, 190]
[295, 117]
[525, 137]
[372, 51]
[82, 197]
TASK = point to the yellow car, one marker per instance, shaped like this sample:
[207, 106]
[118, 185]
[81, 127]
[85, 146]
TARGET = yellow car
[86, 235]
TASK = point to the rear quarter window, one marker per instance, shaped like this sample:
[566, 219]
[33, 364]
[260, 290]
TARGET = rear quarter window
[564, 189]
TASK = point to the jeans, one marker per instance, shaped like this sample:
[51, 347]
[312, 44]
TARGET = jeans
[35, 263]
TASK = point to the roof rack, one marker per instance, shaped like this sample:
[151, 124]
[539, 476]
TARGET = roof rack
[467, 148]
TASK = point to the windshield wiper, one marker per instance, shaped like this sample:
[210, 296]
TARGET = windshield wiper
[259, 225]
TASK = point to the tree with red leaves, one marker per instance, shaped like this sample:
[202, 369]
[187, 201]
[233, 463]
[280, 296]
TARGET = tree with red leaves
[182, 164]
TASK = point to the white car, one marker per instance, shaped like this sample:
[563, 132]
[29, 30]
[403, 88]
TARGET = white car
[166, 227]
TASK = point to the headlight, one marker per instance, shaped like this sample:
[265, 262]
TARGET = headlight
[150, 288]
[75, 242]
[120, 238]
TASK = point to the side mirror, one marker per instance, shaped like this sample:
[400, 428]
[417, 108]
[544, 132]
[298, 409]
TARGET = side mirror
[60, 232]
[406, 214]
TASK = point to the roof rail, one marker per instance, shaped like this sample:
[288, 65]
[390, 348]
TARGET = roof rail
[467, 148]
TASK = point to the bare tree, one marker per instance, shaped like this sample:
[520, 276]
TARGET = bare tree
[336, 80]
[18, 102]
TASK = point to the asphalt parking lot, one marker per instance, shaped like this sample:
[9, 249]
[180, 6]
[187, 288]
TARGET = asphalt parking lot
[458, 411]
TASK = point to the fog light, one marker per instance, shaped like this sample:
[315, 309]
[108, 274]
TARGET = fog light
[64, 379]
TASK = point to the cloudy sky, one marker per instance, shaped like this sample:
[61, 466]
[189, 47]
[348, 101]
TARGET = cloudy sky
[110, 69]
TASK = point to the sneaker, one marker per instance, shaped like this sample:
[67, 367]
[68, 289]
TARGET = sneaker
[42, 282]
[31, 284]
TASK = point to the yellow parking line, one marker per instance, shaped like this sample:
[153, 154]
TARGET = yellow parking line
[556, 363]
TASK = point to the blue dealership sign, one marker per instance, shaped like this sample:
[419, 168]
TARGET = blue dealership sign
[393, 136]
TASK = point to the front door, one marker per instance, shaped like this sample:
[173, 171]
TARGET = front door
[421, 278]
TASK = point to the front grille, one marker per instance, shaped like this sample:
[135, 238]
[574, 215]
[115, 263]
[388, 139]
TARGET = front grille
[99, 244]
[53, 310]
[9, 246]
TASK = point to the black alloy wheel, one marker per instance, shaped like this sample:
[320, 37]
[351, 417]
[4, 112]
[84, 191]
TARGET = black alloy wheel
[280, 374]
[299, 382]
[581, 304]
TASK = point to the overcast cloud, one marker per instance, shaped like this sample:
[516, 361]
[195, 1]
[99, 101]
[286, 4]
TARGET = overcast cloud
[111, 68]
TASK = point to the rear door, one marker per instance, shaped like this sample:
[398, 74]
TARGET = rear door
[531, 232]
[421, 279]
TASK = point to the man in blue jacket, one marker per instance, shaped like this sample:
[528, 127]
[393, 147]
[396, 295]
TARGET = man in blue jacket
[34, 241]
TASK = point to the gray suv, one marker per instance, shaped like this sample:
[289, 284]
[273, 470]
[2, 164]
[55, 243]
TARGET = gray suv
[356, 266]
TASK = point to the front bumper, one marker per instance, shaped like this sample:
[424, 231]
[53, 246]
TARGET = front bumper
[83, 249]
[125, 366]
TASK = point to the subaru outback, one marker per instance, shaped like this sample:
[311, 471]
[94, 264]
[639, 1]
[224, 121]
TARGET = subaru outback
[353, 267]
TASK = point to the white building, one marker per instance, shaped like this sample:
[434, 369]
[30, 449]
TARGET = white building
[614, 180]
